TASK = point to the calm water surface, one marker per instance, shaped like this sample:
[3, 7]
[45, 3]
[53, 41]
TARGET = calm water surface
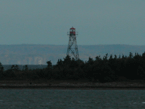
[71, 99]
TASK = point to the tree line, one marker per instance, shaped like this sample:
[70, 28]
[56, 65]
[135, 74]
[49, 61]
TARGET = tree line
[106, 69]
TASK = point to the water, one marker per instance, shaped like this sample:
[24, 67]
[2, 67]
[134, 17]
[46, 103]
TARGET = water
[21, 67]
[71, 99]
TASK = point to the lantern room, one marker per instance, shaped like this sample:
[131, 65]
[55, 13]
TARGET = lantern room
[72, 31]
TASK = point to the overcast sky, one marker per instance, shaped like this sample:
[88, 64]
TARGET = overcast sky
[48, 21]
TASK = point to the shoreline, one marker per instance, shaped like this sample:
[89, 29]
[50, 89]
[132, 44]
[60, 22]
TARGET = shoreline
[133, 85]
[72, 88]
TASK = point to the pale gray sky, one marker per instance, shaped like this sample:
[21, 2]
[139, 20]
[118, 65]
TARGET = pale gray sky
[97, 21]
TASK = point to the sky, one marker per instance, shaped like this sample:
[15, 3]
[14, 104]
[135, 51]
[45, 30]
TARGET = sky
[96, 21]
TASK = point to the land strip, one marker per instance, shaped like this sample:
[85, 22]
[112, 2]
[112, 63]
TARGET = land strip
[72, 85]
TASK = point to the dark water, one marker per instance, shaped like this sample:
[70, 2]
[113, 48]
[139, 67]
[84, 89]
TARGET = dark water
[71, 99]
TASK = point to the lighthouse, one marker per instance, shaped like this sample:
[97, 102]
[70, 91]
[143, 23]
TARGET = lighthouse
[72, 49]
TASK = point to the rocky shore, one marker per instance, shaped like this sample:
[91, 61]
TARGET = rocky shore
[73, 85]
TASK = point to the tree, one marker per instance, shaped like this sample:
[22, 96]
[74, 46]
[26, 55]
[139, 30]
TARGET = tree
[59, 62]
[105, 57]
[67, 60]
[90, 61]
[140, 72]
[1, 68]
[49, 65]
[130, 55]
[15, 67]
[25, 67]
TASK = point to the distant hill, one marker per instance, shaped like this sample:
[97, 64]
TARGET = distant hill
[40, 54]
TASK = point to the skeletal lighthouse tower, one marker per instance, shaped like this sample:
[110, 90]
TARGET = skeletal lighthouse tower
[72, 49]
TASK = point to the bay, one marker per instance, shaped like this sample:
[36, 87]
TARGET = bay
[71, 99]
